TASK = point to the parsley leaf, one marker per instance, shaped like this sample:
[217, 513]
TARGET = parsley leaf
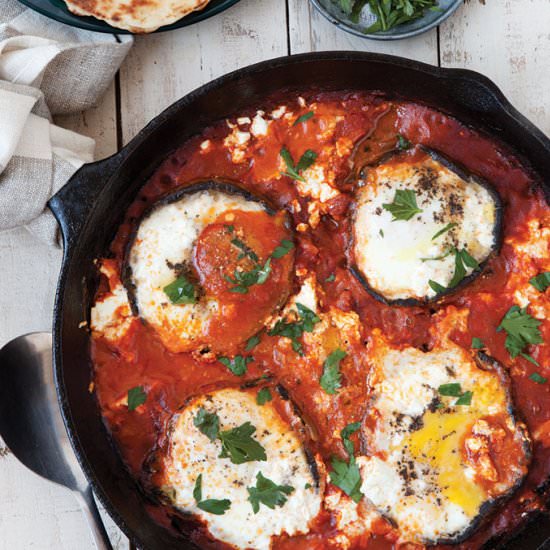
[344, 474]
[463, 260]
[181, 291]
[403, 143]
[252, 342]
[465, 398]
[239, 446]
[136, 397]
[211, 505]
[208, 423]
[295, 330]
[246, 251]
[303, 118]
[331, 278]
[243, 280]
[437, 258]
[477, 343]
[521, 330]
[450, 390]
[267, 493]
[331, 378]
[448, 227]
[263, 396]
[390, 13]
[541, 282]
[306, 160]
[285, 247]
[536, 377]
[237, 365]
[404, 205]
[436, 287]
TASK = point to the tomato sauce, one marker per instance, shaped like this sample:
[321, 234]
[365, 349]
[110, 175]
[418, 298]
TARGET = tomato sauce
[364, 127]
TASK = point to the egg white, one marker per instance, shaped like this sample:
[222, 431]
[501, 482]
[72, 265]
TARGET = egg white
[393, 256]
[191, 454]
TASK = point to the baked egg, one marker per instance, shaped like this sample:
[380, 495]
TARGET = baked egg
[208, 447]
[207, 266]
[421, 227]
[443, 443]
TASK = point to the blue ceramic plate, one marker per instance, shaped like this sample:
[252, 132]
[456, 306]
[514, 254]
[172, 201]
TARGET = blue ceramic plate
[56, 9]
[330, 9]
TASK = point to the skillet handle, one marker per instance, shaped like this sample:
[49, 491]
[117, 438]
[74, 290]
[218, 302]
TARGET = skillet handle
[87, 504]
[74, 201]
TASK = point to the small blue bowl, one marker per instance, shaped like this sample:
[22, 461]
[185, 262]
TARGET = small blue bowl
[431, 19]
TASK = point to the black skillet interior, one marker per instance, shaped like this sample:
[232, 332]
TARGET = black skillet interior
[92, 204]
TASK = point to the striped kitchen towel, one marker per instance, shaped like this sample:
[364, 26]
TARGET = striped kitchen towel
[46, 68]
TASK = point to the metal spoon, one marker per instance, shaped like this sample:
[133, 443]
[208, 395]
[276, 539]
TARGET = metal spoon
[31, 423]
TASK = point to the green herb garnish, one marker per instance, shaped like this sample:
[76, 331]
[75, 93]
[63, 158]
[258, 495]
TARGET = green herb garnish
[541, 282]
[246, 251]
[465, 399]
[263, 396]
[536, 377]
[331, 378]
[211, 505]
[463, 260]
[239, 446]
[307, 320]
[448, 227]
[404, 205]
[243, 280]
[267, 493]
[344, 474]
[454, 390]
[237, 365]
[390, 13]
[306, 160]
[437, 258]
[436, 287]
[181, 291]
[331, 278]
[403, 143]
[303, 118]
[252, 342]
[521, 330]
[136, 397]
[477, 343]
[208, 423]
[285, 247]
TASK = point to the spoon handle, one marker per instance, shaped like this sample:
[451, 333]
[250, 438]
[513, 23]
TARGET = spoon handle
[87, 503]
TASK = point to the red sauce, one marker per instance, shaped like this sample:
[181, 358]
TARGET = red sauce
[369, 124]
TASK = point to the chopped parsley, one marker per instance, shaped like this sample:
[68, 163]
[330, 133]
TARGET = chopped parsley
[344, 474]
[463, 260]
[267, 493]
[263, 396]
[437, 258]
[208, 423]
[403, 143]
[303, 118]
[541, 282]
[331, 378]
[294, 331]
[252, 342]
[308, 486]
[237, 365]
[455, 390]
[243, 280]
[239, 446]
[331, 278]
[306, 160]
[536, 377]
[181, 291]
[436, 287]
[285, 247]
[448, 227]
[136, 397]
[521, 330]
[404, 205]
[211, 505]
[246, 251]
[477, 343]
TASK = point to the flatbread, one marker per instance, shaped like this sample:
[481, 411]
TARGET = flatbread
[137, 16]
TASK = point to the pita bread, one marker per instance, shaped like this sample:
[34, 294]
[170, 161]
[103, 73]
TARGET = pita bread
[137, 16]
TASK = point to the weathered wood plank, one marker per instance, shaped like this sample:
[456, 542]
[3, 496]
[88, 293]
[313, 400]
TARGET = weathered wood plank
[162, 68]
[310, 31]
[508, 41]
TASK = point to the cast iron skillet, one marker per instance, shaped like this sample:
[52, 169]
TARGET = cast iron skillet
[91, 205]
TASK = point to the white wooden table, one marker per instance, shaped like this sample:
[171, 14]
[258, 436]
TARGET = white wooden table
[507, 40]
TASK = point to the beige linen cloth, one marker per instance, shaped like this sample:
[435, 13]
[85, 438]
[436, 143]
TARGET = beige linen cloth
[46, 68]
